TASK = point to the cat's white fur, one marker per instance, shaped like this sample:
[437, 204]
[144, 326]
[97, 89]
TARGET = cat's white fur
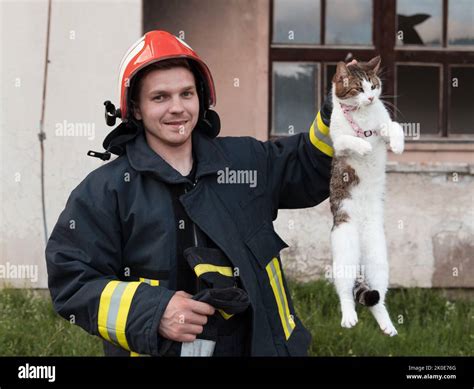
[360, 242]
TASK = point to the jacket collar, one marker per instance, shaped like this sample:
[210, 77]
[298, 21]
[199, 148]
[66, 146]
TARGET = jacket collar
[208, 155]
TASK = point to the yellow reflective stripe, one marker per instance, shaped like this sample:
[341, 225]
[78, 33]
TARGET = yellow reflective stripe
[125, 303]
[114, 305]
[134, 354]
[225, 315]
[104, 306]
[324, 131]
[288, 314]
[205, 268]
[150, 281]
[276, 281]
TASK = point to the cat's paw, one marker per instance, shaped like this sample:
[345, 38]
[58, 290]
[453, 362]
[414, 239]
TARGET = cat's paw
[397, 139]
[397, 144]
[363, 147]
[349, 319]
[389, 329]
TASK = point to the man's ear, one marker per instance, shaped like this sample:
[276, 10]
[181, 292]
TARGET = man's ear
[136, 111]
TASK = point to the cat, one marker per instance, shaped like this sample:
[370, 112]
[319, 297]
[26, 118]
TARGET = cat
[360, 129]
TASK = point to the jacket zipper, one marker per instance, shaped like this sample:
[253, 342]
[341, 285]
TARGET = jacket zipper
[195, 235]
[194, 224]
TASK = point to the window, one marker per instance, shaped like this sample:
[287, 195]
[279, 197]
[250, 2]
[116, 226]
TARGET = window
[427, 49]
[420, 22]
[294, 97]
[296, 24]
[351, 27]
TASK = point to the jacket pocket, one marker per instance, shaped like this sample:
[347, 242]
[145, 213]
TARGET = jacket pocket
[265, 245]
[149, 281]
[150, 276]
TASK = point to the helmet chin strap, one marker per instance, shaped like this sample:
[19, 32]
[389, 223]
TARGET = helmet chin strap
[111, 113]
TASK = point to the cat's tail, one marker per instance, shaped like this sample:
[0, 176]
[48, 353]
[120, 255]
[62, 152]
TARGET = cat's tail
[365, 296]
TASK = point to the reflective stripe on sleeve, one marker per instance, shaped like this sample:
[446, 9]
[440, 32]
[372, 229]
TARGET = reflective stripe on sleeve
[319, 136]
[114, 306]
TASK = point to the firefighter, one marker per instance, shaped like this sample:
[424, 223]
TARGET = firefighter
[156, 253]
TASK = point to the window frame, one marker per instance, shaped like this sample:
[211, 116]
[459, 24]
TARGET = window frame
[384, 33]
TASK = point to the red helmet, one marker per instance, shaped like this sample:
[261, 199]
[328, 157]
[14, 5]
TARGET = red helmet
[157, 46]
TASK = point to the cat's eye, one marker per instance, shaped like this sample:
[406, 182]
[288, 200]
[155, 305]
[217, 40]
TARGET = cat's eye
[373, 87]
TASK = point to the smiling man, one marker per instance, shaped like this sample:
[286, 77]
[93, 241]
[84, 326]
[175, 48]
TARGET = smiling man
[165, 100]
[155, 252]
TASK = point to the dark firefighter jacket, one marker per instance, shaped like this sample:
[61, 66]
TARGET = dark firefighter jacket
[112, 251]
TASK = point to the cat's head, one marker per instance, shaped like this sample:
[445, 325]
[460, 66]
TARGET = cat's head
[359, 84]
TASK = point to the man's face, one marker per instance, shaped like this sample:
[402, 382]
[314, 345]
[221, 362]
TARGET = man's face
[168, 105]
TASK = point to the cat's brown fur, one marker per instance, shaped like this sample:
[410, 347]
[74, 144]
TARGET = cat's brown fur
[348, 79]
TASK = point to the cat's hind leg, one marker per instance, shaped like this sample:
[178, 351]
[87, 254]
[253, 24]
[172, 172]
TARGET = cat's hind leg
[376, 272]
[346, 253]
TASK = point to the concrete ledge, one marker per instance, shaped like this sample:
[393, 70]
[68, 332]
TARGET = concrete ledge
[430, 167]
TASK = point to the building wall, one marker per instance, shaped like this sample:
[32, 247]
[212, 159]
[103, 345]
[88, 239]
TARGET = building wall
[429, 206]
[232, 37]
[88, 40]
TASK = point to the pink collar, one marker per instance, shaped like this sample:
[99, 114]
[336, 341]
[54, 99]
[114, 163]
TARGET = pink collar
[347, 109]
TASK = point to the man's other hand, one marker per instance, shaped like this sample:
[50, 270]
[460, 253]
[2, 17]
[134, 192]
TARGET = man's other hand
[184, 318]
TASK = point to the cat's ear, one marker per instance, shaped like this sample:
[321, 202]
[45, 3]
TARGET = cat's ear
[374, 64]
[341, 72]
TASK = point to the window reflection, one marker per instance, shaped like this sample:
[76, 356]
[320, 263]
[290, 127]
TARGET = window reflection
[419, 22]
[349, 22]
[294, 97]
[461, 22]
[296, 21]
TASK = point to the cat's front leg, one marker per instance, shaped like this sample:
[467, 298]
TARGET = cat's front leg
[344, 143]
[397, 137]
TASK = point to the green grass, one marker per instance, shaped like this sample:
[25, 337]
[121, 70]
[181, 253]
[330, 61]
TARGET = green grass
[432, 325]
[30, 327]
[427, 324]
